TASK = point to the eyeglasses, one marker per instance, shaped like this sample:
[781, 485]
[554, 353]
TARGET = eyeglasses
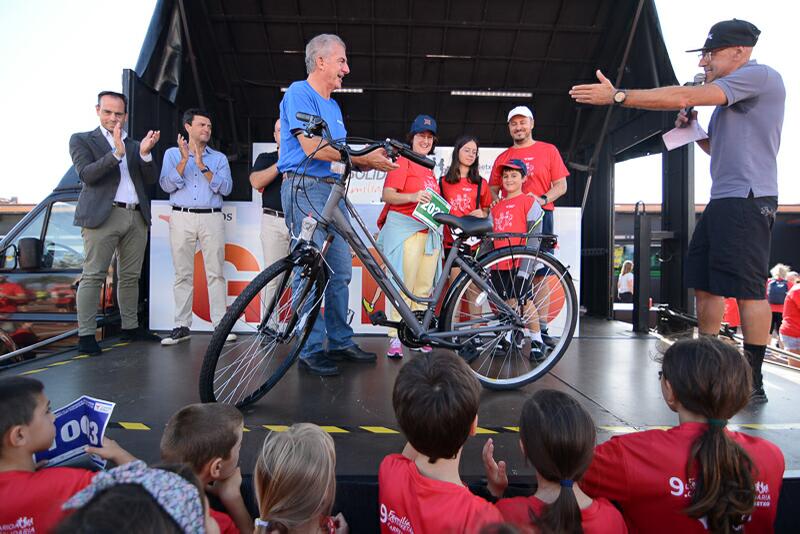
[708, 54]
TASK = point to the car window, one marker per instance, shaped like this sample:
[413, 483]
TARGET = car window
[63, 244]
[32, 229]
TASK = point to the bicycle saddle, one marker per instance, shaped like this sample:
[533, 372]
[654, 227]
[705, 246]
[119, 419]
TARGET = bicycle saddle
[469, 226]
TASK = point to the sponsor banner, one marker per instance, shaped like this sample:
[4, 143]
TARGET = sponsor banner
[78, 424]
[244, 259]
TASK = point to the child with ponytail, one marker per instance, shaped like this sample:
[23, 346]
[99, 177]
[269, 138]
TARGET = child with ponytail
[697, 477]
[557, 436]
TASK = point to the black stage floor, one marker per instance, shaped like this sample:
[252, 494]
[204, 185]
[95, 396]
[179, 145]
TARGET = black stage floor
[610, 370]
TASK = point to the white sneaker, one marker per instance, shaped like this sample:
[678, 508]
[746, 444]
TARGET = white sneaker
[179, 335]
[231, 338]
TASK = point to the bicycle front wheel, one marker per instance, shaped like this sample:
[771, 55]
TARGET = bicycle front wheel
[242, 372]
[497, 344]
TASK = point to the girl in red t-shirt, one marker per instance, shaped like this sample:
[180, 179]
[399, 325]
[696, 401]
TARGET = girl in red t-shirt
[467, 193]
[697, 477]
[557, 437]
[403, 239]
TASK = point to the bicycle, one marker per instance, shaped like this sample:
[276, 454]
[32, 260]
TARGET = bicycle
[476, 319]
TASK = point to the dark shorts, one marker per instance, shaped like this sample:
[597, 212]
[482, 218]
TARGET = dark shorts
[729, 252]
[510, 286]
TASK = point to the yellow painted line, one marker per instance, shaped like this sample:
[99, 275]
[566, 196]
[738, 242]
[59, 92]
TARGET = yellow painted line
[106, 349]
[619, 429]
[32, 371]
[480, 430]
[133, 426]
[512, 428]
[120, 344]
[379, 430]
[276, 428]
[80, 357]
[245, 429]
[334, 430]
[56, 364]
[659, 427]
[769, 426]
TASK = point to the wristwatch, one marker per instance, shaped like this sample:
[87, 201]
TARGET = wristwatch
[619, 96]
[546, 200]
[205, 170]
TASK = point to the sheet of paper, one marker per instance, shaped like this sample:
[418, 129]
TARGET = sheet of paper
[677, 137]
[424, 212]
[78, 424]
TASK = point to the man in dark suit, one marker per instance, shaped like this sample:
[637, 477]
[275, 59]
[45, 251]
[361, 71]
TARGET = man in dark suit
[114, 213]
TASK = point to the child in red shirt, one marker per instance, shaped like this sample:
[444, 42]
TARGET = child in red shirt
[208, 438]
[697, 476]
[31, 500]
[435, 400]
[295, 482]
[557, 436]
[790, 321]
[462, 186]
[518, 213]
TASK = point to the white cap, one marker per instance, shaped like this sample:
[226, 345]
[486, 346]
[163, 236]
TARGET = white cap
[525, 111]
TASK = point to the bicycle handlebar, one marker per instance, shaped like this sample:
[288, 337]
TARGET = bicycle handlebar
[317, 125]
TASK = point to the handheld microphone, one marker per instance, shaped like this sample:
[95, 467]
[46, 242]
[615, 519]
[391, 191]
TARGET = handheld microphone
[699, 79]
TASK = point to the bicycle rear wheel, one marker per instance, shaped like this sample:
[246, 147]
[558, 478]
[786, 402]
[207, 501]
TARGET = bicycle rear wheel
[242, 372]
[500, 354]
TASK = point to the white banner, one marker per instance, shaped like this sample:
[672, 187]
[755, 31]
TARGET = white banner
[244, 260]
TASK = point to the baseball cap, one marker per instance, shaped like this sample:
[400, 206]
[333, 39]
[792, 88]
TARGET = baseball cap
[525, 111]
[423, 123]
[733, 32]
[516, 164]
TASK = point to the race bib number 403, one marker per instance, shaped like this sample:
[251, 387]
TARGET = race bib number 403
[78, 424]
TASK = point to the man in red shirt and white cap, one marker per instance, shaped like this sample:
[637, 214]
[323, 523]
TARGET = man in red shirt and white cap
[546, 179]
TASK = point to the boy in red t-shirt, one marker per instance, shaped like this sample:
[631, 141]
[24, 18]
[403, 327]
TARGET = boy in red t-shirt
[698, 476]
[31, 499]
[208, 438]
[518, 213]
[435, 400]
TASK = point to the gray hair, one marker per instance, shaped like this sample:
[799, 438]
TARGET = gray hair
[320, 46]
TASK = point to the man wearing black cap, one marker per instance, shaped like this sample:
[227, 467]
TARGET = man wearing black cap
[729, 252]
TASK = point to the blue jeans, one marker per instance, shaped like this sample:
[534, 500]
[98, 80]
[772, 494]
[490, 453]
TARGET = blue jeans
[299, 197]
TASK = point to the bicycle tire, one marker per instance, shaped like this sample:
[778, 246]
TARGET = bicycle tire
[285, 331]
[487, 370]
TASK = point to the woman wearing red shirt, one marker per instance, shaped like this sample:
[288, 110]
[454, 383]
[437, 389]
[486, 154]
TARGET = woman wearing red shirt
[697, 477]
[406, 242]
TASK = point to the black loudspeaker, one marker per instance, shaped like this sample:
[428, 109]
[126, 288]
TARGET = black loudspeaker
[29, 253]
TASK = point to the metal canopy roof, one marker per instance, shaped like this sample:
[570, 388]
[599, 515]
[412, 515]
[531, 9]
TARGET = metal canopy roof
[407, 56]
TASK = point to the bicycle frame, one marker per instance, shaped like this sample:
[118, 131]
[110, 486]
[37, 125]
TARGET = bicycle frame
[333, 216]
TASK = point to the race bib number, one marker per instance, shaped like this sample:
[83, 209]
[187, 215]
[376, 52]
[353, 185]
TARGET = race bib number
[424, 212]
[78, 424]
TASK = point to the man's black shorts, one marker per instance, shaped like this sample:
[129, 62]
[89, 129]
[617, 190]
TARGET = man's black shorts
[510, 286]
[729, 252]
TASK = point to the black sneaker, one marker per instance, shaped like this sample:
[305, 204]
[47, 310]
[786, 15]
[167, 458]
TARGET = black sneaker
[178, 335]
[138, 334]
[758, 396]
[538, 351]
[354, 354]
[318, 364]
[550, 341]
[88, 345]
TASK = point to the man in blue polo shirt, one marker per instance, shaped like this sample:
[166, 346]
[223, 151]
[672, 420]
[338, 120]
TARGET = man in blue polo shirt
[306, 186]
[729, 252]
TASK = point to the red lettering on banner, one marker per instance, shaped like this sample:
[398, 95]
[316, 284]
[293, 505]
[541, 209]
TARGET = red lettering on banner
[244, 261]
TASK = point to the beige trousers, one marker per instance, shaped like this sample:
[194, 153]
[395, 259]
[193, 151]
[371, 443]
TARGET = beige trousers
[185, 230]
[275, 240]
[418, 272]
[126, 233]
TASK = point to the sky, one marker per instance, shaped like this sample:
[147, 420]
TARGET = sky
[55, 56]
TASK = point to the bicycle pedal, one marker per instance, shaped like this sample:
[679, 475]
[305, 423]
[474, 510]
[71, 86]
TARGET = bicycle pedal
[378, 317]
[468, 352]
